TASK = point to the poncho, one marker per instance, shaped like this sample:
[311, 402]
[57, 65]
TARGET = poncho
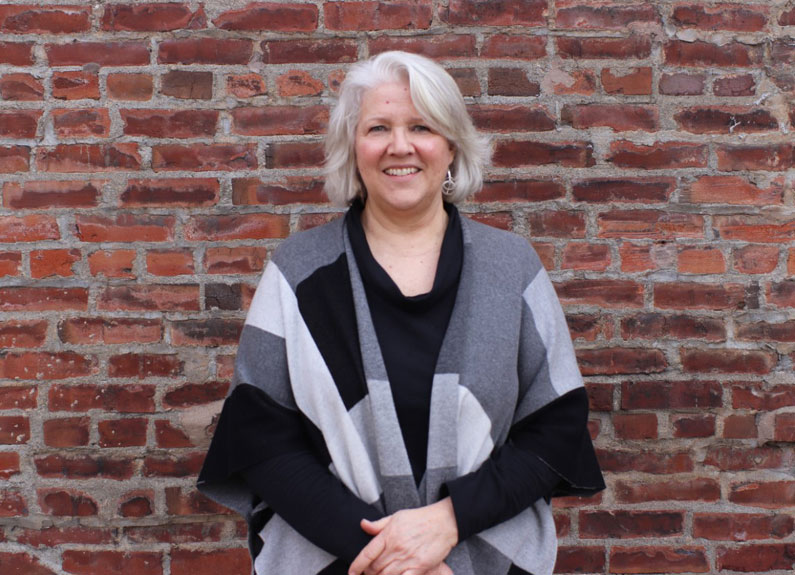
[505, 362]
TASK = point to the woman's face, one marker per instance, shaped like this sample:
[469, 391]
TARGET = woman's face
[401, 160]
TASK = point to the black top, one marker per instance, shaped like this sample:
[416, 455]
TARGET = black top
[410, 330]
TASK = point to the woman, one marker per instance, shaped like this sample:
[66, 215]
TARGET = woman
[406, 397]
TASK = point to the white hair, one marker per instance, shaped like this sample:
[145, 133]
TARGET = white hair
[438, 100]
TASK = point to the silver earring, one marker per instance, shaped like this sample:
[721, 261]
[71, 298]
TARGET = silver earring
[448, 185]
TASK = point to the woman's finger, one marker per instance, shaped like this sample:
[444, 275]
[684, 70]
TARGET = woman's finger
[366, 556]
[374, 527]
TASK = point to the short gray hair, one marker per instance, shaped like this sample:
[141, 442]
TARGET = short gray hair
[438, 100]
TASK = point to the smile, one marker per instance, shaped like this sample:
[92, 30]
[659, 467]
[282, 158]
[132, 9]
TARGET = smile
[401, 171]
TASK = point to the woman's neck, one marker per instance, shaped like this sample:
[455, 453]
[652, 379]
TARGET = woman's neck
[407, 235]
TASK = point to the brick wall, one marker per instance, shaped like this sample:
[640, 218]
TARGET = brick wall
[152, 156]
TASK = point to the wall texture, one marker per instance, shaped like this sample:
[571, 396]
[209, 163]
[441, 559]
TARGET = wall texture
[152, 156]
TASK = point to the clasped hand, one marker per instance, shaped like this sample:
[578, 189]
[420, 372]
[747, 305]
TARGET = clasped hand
[409, 542]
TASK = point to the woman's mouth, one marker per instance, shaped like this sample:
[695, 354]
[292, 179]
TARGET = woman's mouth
[401, 171]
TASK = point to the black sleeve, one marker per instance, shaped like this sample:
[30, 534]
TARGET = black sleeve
[548, 453]
[266, 447]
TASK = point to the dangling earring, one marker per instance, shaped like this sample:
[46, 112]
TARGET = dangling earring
[448, 186]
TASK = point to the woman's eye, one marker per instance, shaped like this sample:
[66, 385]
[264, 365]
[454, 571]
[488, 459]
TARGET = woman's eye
[421, 128]
[376, 129]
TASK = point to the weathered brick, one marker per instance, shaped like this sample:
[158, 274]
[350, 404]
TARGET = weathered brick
[137, 504]
[512, 47]
[568, 82]
[662, 155]
[112, 263]
[204, 157]
[149, 297]
[757, 558]
[32, 19]
[725, 120]
[767, 157]
[728, 360]
[649, 224]
[169, 262]
[511, 82]
[628, 524]
[270, 16]
[93, 123]
[619, 117]
[152, 17]
[14, 159]
[279, 120]
[206, 333]
[659, 326]
[192, 394]
[682, 84]
[656, 462]
[635, 47]
[51, 194]
[578, 15]
[320, 51]
[635, 425]
[130, 86]
[68, 503]
[620, 360]
[691, 489]
[659, 560]
[70, 158]
[732, 190]
[435, 46]
[49, 263]
[95, 330]
[586, 256]
[721, 17]
[127, 398]
[529, 153]
[22, 333]
[143, 365]
[603, 292]
[366, 15]
[296, 83]
[47, 365]
[125, 227]
[520, 191]
[95, 562]
[237, 260]
[187, 85]
[169, 123]
[705, 54]
[122, 432]
[66, 432]
[244, 226]
[23, 298]
[580, 559]
[166, 192]
[19, 123]
[21, 88]
[670, 394]
[769, 495]
[101, 53]
[225, 51]
[16, 53]
[693, 426]
[207, 562]
[83, 466]
[776, 227]
[737, 85]
[246, 85]
[253, 191]
[75, 85]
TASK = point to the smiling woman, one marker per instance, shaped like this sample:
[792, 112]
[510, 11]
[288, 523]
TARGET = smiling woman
[406, 396]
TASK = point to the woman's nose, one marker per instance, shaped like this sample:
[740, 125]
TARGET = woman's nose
[400, 143]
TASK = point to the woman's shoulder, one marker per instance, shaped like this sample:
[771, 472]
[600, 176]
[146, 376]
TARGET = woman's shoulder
[501, 246]
[305, 251]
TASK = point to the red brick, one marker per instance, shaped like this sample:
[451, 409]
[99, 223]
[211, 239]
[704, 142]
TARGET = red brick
[28, 228]
[589, 327]
[366, 15]
[297, 155]
[791, 262]
[569, 82]
[635, 425]
[88, 330]
[246, 85]
[671, 394]
[776, 227]
[22, 564]
[692, 426]
[152, 17]
[737, 459]
[520, 191]
[97, 562]
[169, 192]
[253, 191]
[193, 394]
[203, 562]
[737, 85]
[309, 221]
[742, 526]
[137, 504]
[19, 123]
[728, 361]
[46, 365]
[785, 427]
[112, 263]
[580, 560]
[643, 190]
[517, 47]
[169, 123]
[14, 159]
[732, 190]
[659, 326]
[235, 260]
[557, 224]
[206, 333]
[637, 81]
[644, 491]
[89, 158]
[10, 263]
[511, 118]
[52, 194]
[75, 85]
[205, 51]
[270, 16]
[101, 53]
[169, 262]
[770, 495]
[18, 396]
[314, 51]
[629, 524]
[602, 292]
[184, 465]
[31, 19]
[658, 560]
[511, 152]
[50, 537]
[511, 82]
[701, 261]
[752, 397]
[237, 227]
[151, 297]
[48, 263]
[204, 157]
[191, 503]
[620, 360]
[434, 46]
[603, 48]
[94, 123]
[21, 87]
[296, 83]
[176, 533]
[130, 86]
[586, 256]
[682, 84]
[143, 365]
[168, 436]
[661, 155]
[22, 333]
[128, 398]
[767, 332]
[725, 120]
[773, 158]
[187, 85]
[65, 503]
[740, 427]
[125, 227]
[756, 558]
[577, 15]
[66, 432]
[645, 461]
[619, 117]
[223, 296]
[16, 53]
[12, 504]
[279, 120]
[14, 429]
[122, 432]
[704, 54]
[699, 296]
[649, 224]
[721, 17]
[83, 467]
[22, 298]
[496, 13]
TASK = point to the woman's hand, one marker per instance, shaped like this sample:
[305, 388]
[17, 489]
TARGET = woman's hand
[409, 542]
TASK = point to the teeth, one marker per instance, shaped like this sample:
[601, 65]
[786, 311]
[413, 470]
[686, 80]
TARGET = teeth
[401, 171]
